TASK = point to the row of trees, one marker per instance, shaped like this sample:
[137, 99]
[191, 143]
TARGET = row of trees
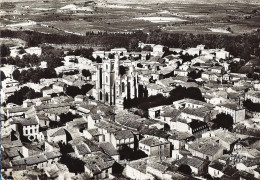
[74, 90]
[3, 77]
[240, 46]
[33, 75]
[24, 93]
[84, 52]
[5, 51]
[144, 102]
[26, 61]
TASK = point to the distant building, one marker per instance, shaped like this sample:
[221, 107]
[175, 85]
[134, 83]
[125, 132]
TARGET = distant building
[155, 147]
[206, 148]
[34, 50]
[254, 96]
[237, 113]
[222, 54]
[122, 138]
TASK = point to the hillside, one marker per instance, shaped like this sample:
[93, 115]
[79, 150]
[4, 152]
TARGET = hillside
[180, 1]
[153, 1]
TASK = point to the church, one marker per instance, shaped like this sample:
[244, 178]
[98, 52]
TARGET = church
[112, 86]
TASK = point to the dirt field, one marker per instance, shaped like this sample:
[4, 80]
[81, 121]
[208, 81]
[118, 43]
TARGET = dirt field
[171, 17]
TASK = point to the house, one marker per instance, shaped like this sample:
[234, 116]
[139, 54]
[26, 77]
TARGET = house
[156, 169]
[178, 139]
[198, 166]
[211, 76]
[110, 150]
[106, 130]
[222, 54]
[83, 110]
[92, 134]
[200, 114]
[8, 82]
[101, 54]
[218, 69]
[31, 163]
[206, 148]
[6, 168]
[225, 138]
[34, 50]
[226, 77]
[248, 165]
[257, 172]
[237, 113]
[194, 127]
[137, 170]
[57, 135]
[158, 49]
[28, 127]
[93, 119]
[194, 51]
[120, 51]
[191, 104]
[254, 96]
[122, 138]
[52, 157]
[215, 169]
[15, 112]
[180, 72]
[155, 147]
[59, 86]
[99, 165]
[44, 121]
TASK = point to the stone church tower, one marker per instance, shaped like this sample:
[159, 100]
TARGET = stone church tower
[111, 87]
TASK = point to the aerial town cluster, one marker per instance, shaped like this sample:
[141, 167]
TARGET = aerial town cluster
[158, 113]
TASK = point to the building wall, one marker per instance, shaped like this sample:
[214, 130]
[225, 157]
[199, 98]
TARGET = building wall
[136, 174]
[31, 130]
[214, 172]
[238, 115]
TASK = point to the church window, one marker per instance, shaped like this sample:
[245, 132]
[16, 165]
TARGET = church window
[106, 97]
[106, 79]
[112, 67]
[123, 87]
[100, 95]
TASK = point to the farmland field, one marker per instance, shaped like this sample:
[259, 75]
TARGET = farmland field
[64, 17]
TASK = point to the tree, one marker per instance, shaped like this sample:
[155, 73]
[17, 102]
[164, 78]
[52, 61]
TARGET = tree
[54, 61]
[194, 93]
[255, 107]
[5, 51]
[16, 74]
[122, 70]
[64, 118]
[73, 91]
[22, 51]
[86, 88]
[194, 74]
[148, 48]
[74, 165]
[24, 93]
[139, 65]
[99, 59]
[86, 73]
[223, 121]
[185, 169]
[3, 77]
[111, 56]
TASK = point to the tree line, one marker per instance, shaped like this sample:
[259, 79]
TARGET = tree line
[33, 75]
[144, 102]
[242, 45]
